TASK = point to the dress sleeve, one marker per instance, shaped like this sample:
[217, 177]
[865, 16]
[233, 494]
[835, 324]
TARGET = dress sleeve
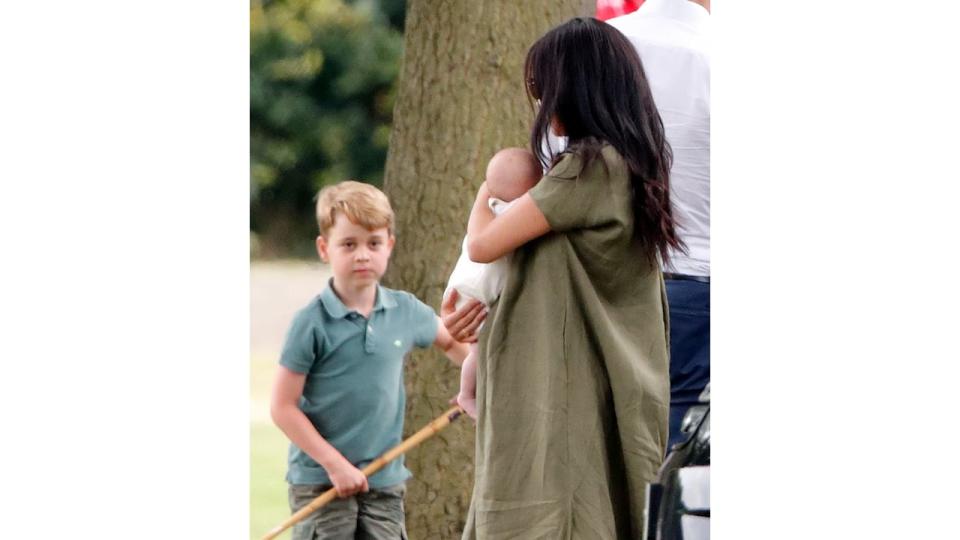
[574, 197]
[301, 348]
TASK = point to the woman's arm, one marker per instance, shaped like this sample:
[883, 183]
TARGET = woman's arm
[489, 239]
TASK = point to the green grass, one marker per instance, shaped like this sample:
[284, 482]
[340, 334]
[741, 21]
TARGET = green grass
[268, 490]
[268, 455]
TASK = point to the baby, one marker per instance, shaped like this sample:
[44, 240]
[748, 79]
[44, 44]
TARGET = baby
[510, 173]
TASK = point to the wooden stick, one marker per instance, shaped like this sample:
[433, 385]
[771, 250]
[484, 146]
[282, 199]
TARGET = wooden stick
[428, 431]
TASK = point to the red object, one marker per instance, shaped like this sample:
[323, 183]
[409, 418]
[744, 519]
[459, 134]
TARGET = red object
[608, 9]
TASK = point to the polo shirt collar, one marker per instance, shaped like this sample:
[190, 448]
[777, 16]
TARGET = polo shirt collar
[335, 308]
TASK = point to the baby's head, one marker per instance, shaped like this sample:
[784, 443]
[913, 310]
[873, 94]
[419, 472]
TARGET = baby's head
[512, 172]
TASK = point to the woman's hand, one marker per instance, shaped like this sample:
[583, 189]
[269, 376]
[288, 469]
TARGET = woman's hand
[483, 194]
[462, 323]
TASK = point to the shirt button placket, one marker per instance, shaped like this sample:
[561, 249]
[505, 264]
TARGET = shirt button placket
[368, 342]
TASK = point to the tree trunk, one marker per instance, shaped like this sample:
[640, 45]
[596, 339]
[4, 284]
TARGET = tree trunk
[461, 97]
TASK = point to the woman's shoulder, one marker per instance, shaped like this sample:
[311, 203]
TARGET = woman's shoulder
[606, 163]
[580, 162]
[567, 166]
[613, 158]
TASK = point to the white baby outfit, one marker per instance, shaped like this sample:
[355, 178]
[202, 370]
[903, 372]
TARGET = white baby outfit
[482, 281]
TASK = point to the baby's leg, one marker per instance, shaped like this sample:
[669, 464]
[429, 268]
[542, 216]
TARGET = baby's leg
[468, 383]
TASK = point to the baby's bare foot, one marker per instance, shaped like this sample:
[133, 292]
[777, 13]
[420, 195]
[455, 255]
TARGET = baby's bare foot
[469, 405]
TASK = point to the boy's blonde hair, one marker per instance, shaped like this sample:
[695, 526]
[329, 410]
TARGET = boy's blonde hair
[362, 203]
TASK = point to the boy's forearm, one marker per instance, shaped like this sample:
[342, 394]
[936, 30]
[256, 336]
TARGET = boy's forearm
[301, 432]
[457, 352]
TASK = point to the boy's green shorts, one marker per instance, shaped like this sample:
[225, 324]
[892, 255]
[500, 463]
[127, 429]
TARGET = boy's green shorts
[375, 515]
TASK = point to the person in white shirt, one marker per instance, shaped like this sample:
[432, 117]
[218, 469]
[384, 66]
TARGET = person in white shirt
[511, 172]
[672, 39]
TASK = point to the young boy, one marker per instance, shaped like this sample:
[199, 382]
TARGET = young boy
[511, 172]
[338, 393]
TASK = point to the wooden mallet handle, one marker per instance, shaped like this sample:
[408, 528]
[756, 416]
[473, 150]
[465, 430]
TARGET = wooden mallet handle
[428, 431]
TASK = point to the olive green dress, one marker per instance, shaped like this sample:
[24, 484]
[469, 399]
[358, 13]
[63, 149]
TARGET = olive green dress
[572, 379]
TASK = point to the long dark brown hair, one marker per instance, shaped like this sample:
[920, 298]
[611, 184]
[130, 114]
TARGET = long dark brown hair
[588, 76]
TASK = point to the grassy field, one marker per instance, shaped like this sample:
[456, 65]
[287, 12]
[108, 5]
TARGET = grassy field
[268, 450]
[277, 291]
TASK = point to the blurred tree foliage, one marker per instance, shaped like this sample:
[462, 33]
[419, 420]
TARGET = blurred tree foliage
[322, 87]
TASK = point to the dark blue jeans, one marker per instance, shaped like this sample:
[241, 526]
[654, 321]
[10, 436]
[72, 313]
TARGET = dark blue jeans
[689, 348]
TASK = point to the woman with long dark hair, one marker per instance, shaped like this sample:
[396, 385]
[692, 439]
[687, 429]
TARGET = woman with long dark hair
[572, 378]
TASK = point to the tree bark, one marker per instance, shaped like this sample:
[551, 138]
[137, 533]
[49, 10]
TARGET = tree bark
[461, 98]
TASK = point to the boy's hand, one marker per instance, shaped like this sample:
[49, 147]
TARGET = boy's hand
[348, 480]
[462, 323]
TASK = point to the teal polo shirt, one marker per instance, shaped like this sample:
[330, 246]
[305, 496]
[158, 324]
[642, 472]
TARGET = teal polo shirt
[353, 392]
